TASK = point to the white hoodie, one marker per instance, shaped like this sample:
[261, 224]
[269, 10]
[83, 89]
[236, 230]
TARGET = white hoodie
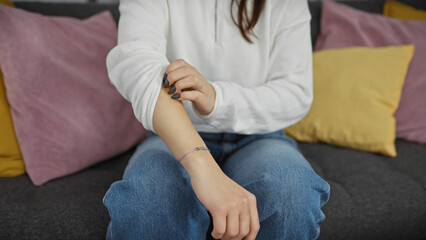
[260, 87]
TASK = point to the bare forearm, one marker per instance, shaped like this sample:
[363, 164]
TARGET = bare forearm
[172, 124]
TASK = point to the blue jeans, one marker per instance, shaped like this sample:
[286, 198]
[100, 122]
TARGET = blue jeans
[155, 199]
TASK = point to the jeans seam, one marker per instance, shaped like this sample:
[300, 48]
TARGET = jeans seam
[110, 231]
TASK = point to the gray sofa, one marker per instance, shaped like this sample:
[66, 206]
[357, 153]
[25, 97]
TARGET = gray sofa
[372, 196]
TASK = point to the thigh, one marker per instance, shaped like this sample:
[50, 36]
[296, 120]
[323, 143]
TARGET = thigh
[153, 160]
[277, 173]
[155, 194]
[264, 155]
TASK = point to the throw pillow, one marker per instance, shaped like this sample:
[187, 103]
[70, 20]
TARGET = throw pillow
[402, 11]
[67, 115]
[11, 163]
[343, 26]
[356, 92]
[7, 3]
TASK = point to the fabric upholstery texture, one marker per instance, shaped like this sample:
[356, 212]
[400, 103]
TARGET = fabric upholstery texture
[399, 10]
[66, 113]
[372, 196]
[11, 162]
[66, 208]
[343, 26]
[356, 92]
[7, 3]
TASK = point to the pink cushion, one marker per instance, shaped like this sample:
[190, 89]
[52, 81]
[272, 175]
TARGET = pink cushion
[343, 26]
[67, 115]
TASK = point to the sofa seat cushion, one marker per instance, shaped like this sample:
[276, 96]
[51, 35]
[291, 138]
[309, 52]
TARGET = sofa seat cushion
[65, 208]
[372, 196]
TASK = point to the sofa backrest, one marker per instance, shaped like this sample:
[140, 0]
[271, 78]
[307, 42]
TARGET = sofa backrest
[85, 10]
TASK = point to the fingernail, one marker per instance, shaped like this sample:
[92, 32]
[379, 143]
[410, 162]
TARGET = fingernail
[164, 77]
[172, 90]
[176, 96]
[165, 80]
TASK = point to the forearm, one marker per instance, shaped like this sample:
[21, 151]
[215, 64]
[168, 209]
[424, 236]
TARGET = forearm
[172, 124]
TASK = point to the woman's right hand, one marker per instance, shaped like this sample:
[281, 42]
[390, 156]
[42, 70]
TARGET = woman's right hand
[232, 207]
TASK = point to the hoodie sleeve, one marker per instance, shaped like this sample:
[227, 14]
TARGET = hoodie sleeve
[286, 96]
[137, 63]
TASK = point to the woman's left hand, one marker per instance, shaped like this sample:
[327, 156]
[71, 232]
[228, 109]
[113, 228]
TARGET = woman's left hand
[188, 84]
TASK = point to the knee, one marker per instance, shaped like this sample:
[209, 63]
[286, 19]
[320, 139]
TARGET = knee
[154, 165]
[155, 178]
[154, 192]
[295, 198]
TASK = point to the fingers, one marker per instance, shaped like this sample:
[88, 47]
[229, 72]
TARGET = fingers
[180, 63]
[189, 82]
[189, 95]
[219, 224]
[254, 218]
[238, 225]
[175, 65]
[244, 224]
[237, 220]
[232, 225]
[180, 70]
[178, 74]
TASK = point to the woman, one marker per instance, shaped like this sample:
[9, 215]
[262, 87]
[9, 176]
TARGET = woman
[216, 90]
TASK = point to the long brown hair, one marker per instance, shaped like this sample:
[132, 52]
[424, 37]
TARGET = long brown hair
[246, 24]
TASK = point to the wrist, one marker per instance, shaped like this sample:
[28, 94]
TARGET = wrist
[198, 163]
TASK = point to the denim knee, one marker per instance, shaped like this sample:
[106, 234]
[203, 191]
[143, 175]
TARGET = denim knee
[155, 200]
[293, 200]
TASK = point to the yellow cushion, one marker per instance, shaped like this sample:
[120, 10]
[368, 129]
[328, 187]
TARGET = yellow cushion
[7, 3]
[11, 163]
[402, 11]
[356, 92]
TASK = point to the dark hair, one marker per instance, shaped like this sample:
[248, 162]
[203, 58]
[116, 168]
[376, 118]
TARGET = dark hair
[245, 24]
